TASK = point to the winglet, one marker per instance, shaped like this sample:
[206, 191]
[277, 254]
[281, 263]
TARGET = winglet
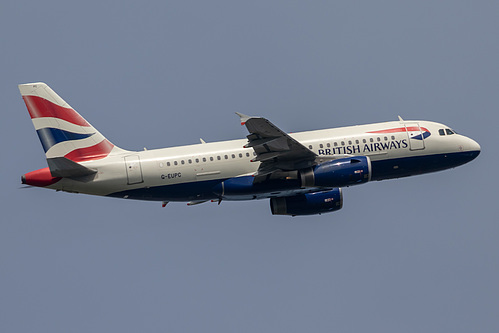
[244, 118]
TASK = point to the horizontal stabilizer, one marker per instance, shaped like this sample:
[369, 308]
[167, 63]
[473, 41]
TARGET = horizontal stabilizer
[63, 167]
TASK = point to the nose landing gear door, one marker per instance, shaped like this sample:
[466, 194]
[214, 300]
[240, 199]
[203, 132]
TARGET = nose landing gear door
[133, 169]
[415, 136]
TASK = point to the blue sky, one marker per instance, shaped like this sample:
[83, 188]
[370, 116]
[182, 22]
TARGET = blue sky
[410, 255]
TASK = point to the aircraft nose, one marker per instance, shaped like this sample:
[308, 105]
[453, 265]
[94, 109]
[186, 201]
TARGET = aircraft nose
[473, 148]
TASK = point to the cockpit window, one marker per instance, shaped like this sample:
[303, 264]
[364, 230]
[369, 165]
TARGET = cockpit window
[446, 131]
[449, 131]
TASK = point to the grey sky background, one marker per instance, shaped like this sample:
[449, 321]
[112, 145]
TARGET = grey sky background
[413, 255]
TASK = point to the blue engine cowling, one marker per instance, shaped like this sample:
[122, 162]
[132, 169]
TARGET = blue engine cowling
[308, 204]
[338, 173]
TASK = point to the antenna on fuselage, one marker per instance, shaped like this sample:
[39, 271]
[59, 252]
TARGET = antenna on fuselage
[401, 120]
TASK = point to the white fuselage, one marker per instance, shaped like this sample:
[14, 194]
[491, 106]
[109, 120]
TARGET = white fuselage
[173, 174]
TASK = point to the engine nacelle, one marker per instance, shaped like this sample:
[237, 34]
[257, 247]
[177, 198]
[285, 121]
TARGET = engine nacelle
[338, 173]
[308, 204]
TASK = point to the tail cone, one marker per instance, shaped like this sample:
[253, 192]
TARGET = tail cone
[40, 178]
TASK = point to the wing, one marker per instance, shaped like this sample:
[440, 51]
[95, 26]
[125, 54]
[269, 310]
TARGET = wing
[276, 150]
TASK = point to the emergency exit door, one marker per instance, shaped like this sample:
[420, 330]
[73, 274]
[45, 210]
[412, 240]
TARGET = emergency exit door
[133, 169]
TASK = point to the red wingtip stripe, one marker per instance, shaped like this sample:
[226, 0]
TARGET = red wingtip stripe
[39, 107]
[95, 152]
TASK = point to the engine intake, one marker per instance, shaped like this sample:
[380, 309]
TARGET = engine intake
[338, 173]
[308, 204]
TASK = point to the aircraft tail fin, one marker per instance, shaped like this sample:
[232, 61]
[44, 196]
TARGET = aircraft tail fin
[62, 131]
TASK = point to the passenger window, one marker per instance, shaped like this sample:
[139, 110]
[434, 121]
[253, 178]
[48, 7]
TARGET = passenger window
[321, 146]
[211, 158]
[378, 138]
[233, 156]
[342, 143]
[247, 154]
[328, 145]
[310, 147]
[197, 160]
[218, 158]
[448, 131]
[371, 139]
[204, 159]
[240, 155]
[393, 137]
[386, 138]
[357, 142]
[182, 162]
[226, 157]
[190, 162]
[364, 140]
[349, 143]
[336, 144]
[175, 162]
[168, 163]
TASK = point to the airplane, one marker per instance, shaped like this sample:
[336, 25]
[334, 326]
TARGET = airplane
[301, 173]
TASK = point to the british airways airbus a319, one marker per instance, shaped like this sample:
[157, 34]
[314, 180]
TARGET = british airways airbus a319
[301, 173]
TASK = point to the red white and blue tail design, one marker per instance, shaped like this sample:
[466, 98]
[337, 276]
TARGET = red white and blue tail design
[62, 131]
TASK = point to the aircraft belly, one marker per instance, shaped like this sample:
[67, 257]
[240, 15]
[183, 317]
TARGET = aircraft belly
[416, 165]
[201, 190]
[274, 194]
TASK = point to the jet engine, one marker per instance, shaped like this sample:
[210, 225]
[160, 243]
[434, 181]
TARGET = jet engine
[338, 173]
[308, 204]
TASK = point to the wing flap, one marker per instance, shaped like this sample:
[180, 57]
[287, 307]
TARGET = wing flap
[277, 143]
[266, 156]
